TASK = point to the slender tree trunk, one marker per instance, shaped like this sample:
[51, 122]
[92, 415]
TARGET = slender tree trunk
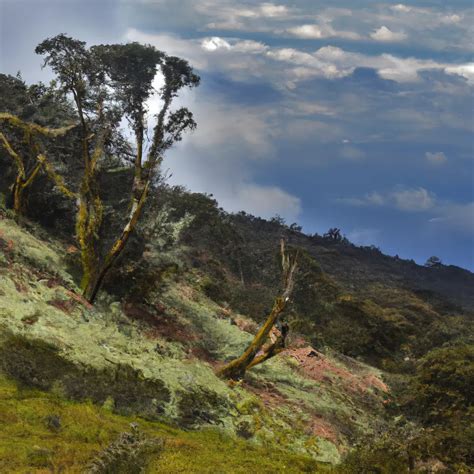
[20, 190]
[22, 180]
[119, 245]
[140, 188]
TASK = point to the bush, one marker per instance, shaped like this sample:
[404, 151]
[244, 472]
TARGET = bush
[129, 454]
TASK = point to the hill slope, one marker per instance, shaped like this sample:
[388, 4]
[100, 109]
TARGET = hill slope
[180, 306]
[157, 362]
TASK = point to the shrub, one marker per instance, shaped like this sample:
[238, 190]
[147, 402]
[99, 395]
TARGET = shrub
[129, 454]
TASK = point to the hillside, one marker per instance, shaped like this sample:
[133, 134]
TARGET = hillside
[124, 301]
[176, 312]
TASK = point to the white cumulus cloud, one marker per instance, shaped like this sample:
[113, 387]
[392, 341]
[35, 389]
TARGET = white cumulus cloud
[385, 34]
[263, 201]
[214, 43]
[325, 30]
[418, 199]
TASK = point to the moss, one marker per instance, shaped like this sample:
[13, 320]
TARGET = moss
[24, 248]
[28, 445]
[220, 338]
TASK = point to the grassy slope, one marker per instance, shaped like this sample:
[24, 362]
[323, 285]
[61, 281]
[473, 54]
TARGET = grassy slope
[160, 367]
[27, 444]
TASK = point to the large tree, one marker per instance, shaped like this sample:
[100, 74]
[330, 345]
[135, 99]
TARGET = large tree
[109, 83]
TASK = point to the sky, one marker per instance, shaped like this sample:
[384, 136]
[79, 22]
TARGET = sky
[335, 113]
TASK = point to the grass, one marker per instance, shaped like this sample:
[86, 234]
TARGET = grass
[29, 443]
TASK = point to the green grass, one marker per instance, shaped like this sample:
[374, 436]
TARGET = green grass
[28, 445]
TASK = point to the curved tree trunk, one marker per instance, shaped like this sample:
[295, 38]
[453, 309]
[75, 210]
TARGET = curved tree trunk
[236, 369]
[118, 246]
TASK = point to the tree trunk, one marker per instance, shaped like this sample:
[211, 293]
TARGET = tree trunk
[236, 369]
[137, 206]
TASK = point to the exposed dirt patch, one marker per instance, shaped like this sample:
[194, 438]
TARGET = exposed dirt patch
[372, 381]
[6, 244]
[200, 353]
[66, 306]
[267, 392]
[317, 366]
[79, 298]
[323, 429]
[246, 325]
[171, 330]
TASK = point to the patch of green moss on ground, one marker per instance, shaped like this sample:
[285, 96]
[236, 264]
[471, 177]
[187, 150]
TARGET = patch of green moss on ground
[223, 340]
[25, 247]
[31, 442]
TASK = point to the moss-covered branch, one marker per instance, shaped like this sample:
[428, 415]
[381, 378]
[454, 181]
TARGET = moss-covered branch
[34, 127]
[251, 357]
[24, 179]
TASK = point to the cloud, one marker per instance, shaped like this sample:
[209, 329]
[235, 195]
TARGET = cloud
[352, 153]
[403, 199]
[214, 43]
[436, 158]
[313, 31]
[263, 201]
[455, 217]
[247, 60]
[418, 199]
[464, 70]
[385, 34]
[335, 62]
[364, 236]
[400, 7]
[225, 15]
[245, 46]
[270, 10]
[310, 108]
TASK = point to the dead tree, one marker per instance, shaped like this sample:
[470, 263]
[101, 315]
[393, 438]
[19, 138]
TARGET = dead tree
[259, 350]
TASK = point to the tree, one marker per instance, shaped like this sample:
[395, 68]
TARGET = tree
[257, 352]
[31, 159]
[433, 262]
[277, 219]
[333, 234]
[107, 83]
[29, 128]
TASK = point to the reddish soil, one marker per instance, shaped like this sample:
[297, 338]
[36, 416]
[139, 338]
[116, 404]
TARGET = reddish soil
[79, 298]
[317, 366]
[66, 306]
[323, 429]
[6, 245]
[269, 395]
[246, 325]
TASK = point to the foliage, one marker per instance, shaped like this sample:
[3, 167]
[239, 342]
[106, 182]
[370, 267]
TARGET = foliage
[129, 454]
[107, 82]
[433, 262]
[441, 390]
[32, 127]
[333, 234]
